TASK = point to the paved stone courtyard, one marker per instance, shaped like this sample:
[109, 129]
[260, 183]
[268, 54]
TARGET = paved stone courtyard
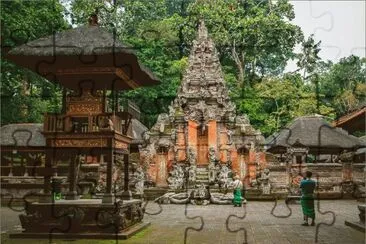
[260, 226]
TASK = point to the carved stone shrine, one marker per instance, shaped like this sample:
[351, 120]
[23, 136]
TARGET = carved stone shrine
[202, 141]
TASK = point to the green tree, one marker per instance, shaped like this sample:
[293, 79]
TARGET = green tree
[256, 37]
[277, 101]
[308, 58]
[343, 84]
[24, 95]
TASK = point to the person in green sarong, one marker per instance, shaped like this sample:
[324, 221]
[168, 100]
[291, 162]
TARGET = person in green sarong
[237, 185]
[307, 187]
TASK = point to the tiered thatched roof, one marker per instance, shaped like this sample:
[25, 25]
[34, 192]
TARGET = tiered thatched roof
[76, 50]
[316, 134]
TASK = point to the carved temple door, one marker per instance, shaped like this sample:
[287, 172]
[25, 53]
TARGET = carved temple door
[202, 146]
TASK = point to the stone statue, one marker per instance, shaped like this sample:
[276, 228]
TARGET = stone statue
[229, 136]
[212, 155]
[139, 179]
[264, 182]
[224, 178]
[192, 175]
[212, 165]
[192, 156]
[176, 178]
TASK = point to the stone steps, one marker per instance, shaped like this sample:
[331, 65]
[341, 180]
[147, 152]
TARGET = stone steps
[202, 175]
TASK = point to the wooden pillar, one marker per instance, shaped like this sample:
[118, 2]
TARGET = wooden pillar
[47, 196]
[126, 194]
[108, 196]
[72, 193]
[126, 172]
[25, 166]
[11, 164]
[63, 101]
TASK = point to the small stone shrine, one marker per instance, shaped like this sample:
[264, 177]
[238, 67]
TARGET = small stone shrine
[202, 141]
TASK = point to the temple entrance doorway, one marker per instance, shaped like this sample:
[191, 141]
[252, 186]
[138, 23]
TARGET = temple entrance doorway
[202, 146]
[243, 161]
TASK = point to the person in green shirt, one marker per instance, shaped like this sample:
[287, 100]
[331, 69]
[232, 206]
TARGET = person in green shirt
[307, 187]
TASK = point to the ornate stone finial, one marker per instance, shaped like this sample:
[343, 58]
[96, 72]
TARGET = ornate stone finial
[202, 30]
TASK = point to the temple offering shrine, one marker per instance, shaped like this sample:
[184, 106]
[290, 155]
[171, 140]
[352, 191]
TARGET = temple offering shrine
[202, 141]
[92, 67]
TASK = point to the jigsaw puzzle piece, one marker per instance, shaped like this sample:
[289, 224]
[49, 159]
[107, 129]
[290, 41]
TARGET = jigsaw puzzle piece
[244, 230]
[189, 229]
[21, 138]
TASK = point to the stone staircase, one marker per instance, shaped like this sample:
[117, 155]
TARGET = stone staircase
[202, 175]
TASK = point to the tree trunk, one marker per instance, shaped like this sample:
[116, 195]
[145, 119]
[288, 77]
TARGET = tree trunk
[240, 65]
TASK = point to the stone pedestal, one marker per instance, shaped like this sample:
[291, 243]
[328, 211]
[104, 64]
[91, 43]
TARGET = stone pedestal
[81, 219]
[359, 225]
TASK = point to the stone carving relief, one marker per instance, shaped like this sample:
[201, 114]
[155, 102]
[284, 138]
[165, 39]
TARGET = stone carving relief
[202, 97]
[139, 179]
[212, 166]
[192, 175]
[224, 177]
[264, 182]
[162, 122]
[242, 122]
[200, 196]
[79, 143]
[229, 136]
[176, 178]
[192, 156]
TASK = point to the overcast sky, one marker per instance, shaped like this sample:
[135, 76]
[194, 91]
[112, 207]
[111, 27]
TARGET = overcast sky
[340, 25]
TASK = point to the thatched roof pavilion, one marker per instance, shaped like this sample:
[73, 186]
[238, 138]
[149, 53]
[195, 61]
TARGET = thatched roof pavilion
[314, 133]
[75, 55]
[354, 121]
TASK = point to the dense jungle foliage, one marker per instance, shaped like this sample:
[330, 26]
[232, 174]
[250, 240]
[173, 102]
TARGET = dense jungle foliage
[255, 40]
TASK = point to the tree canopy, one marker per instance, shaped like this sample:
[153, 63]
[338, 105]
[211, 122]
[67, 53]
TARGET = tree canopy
[255, 40]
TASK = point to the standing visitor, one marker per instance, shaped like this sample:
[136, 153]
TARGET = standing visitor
[238, 185]
[307, 187]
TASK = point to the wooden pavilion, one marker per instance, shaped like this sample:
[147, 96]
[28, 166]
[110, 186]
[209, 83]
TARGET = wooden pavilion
[353, 121]
[87, 62]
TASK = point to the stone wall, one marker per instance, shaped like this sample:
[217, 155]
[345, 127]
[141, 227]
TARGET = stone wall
[335, 180]
[279, 179]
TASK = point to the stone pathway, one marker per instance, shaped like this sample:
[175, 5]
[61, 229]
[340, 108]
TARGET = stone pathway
[260, 226]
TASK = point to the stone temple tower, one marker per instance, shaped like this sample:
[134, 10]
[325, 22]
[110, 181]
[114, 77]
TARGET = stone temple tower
[202, 140]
